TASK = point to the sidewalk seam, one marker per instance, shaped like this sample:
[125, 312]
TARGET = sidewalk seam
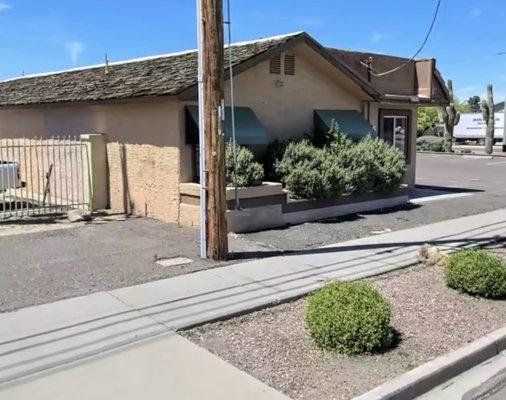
[134, 309]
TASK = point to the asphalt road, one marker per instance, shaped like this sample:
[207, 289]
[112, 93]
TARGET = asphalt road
[57, 263]
[481, 180]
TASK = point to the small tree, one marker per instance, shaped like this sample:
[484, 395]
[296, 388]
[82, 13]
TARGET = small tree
[451, 117]
[487, 108]
[427, 118]
[474, 103]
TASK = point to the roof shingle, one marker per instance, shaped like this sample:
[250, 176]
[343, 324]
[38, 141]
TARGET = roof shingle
[153, 76]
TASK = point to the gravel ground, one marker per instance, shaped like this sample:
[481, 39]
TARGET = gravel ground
[273, 344]
[52, 260]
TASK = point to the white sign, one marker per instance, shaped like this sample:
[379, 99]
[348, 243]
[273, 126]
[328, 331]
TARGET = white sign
[472, 126]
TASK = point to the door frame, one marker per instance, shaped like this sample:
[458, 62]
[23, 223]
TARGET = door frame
[382, 112]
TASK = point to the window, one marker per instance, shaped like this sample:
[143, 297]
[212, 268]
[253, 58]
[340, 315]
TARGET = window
[395, 126]
[275, 65]
[289, 64]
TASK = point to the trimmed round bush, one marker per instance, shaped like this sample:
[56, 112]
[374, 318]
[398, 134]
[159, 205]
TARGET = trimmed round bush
[476, 272]
[351, 317]
[249, 172]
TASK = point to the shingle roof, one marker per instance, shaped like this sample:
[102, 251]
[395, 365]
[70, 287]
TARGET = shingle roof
[172, 74]
[151, 76]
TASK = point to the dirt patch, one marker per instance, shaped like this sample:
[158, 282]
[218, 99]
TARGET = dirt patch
[273, 344]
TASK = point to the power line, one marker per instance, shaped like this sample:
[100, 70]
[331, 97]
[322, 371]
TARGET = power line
[438, 5]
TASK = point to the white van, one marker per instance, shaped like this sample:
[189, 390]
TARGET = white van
[473, 127]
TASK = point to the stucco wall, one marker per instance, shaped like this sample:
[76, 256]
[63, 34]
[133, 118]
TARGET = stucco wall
[143, 139]
[287, 111]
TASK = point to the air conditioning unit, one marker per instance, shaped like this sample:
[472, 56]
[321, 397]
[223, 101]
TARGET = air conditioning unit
[9, 175]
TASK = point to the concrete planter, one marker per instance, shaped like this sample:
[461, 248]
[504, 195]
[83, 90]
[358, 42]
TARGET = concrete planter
[267, 194]
[267, 206]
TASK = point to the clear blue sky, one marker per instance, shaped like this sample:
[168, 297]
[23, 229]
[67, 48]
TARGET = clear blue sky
[42, 35]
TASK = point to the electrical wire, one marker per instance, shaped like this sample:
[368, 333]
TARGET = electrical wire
[436, 12]
[232, 104]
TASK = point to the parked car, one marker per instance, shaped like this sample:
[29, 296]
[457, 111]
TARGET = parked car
[9, 175]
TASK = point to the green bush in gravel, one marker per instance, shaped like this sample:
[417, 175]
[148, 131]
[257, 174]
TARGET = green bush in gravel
[351, 317]
[249, 172]
[476, 272]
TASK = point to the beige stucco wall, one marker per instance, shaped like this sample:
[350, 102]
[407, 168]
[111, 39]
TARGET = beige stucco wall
[143, 140]
[373, 119]
[287, 111]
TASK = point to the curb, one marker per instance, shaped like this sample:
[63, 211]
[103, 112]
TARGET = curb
[420, 380]
[443, 153]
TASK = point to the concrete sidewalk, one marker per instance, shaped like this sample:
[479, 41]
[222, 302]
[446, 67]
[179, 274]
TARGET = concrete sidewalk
[40, 338]
[168, 367]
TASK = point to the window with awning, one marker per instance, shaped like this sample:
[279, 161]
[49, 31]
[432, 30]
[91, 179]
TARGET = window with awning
[351, 123]
[248, 129]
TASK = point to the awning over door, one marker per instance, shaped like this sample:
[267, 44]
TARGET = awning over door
[350, 122]
[248, 129]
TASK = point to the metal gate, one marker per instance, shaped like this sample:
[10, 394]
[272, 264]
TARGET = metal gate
[43, 176]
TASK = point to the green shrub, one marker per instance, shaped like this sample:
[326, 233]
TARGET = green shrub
[476, 272]
[430, 143]
[374, 165]
[431, 131]
[249, 172]
[337, 139]
[352, 317]
[309, 172]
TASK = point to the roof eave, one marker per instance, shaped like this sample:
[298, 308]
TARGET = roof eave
[364, 85]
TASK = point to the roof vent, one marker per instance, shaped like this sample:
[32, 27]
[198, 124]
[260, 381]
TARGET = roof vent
[289, 64]
[275, 65]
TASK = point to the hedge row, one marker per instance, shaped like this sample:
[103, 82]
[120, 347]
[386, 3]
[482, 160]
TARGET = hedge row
[340, 166]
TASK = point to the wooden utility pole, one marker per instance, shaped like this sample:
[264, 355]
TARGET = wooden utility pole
[212, 101]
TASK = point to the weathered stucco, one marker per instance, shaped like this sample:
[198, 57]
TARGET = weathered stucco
[143, 141]
[144, 180]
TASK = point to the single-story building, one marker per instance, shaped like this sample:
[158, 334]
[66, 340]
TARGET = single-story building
[285, 86]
